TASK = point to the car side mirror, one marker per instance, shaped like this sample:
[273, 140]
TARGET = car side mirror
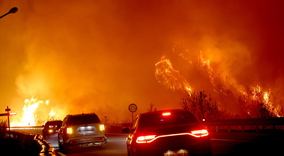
[126, 130]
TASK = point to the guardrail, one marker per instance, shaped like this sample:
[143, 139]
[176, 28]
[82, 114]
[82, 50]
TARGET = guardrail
[26, 127]
[244, 125]
[117, 128]
[33, 142]
[265, 125]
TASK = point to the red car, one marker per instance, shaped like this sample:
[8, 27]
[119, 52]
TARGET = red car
[169, 132]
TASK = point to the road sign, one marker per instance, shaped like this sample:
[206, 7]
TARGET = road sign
[132, 107]
[8, 114]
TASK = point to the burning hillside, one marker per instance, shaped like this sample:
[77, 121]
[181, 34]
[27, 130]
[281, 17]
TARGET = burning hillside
[245, 98]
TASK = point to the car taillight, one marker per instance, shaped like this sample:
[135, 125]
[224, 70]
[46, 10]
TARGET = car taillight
[69, 130]
[199, 133]
[102, 127]
[166, 114]
[146, 139]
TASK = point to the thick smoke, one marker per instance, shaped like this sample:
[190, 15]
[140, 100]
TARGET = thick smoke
[100, 56]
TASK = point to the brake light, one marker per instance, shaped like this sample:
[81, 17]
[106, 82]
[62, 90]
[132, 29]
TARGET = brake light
[102, 127]
[146, 139]
[199, 133]
[166, 114]
[69, 130]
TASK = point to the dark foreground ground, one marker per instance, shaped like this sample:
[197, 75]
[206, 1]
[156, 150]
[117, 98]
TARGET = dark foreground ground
[9, 148]
[223, 144]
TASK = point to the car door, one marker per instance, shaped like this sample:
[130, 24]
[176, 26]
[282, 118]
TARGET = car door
[130, 138]
[61, 132]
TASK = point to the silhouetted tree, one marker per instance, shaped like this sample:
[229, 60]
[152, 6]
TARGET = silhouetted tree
[151, 108]
[202, 106]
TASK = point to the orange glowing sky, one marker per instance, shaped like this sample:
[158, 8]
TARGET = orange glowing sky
[100, 56]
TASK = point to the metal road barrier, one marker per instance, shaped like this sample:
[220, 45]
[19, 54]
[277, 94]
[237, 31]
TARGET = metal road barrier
[247, 125]
[252, 125]
[31, 142]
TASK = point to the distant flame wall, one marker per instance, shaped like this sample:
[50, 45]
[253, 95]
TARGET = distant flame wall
[100, 56]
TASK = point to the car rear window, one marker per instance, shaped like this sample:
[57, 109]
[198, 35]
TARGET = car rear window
[53, 123]
[158, 120]
[83, 119]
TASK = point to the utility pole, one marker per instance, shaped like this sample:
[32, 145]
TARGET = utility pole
[8, 111]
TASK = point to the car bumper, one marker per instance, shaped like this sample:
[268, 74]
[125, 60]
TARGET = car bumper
[87, 142]
[200, 147]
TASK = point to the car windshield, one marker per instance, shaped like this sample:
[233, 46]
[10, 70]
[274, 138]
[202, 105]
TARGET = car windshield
[83, 119]
[159, 120]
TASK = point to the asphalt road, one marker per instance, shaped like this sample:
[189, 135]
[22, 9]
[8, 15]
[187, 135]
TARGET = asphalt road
[223, 144]
[232, 144]
[116, 146]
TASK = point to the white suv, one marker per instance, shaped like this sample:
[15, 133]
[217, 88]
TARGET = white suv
[81, 130]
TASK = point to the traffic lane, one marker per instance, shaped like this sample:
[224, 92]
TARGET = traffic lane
[231, 144]
[116, 146]
[228, 144]
[53, 140]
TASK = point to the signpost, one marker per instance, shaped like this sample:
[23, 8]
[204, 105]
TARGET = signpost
[132, 108]
[8, 114]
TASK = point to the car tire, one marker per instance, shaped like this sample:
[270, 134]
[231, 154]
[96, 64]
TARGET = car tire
[130, 152]
[67, 148]
[60, 146]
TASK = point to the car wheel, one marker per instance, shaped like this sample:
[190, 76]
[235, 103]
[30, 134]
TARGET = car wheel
[128, 153]
[60, 146]
[67, 148]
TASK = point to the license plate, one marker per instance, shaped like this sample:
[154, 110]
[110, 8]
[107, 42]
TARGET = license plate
[181, 152]
[87, 145]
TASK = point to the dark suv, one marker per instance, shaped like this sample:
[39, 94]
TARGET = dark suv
[165, 133]
[81, 130]
[51, 127]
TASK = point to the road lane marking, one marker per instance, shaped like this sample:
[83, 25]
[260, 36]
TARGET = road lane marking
[229, 140]
[60, 153]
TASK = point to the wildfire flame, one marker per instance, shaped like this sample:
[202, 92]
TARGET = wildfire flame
[51, 114]
[257, 94]
[29, 117]
[168, 76]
